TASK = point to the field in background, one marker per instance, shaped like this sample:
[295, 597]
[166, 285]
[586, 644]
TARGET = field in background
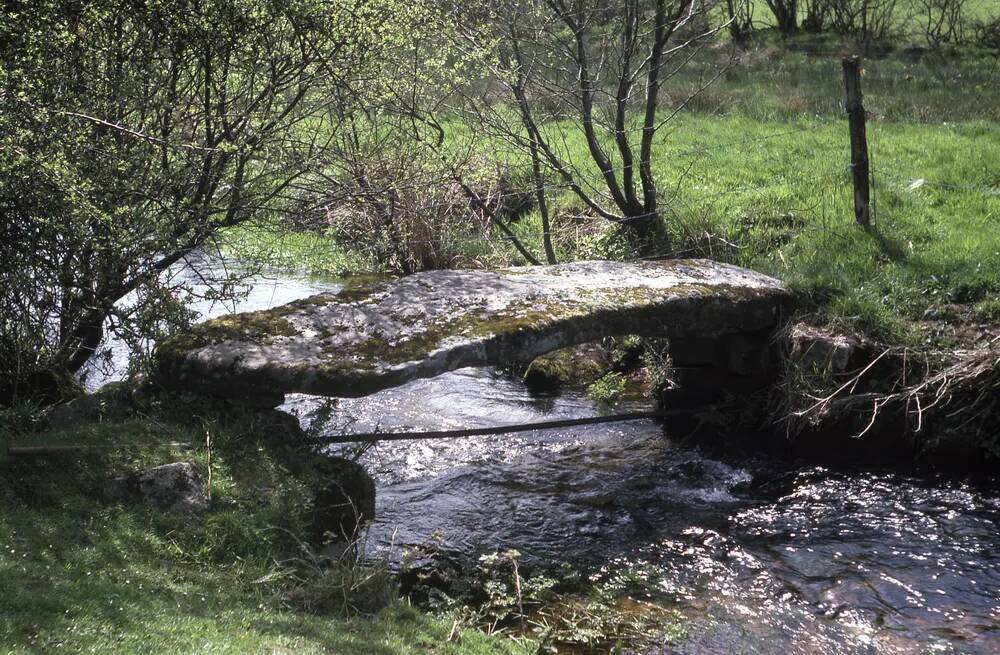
[754, 170]
[906, 15]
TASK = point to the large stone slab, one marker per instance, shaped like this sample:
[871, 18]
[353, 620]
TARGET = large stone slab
[358, 341]
[173, 488]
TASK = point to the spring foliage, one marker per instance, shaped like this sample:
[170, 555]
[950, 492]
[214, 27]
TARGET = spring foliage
[133, 133]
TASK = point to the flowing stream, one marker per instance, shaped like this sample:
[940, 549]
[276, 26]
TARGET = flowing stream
[757, 555]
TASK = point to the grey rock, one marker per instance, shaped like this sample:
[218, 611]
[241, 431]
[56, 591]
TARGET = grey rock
[173, 488]
[823, 351]
[72, 412]
[345, 503]
[359, 341]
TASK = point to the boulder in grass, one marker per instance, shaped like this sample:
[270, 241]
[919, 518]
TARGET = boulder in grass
[174, 488]
[344, 503]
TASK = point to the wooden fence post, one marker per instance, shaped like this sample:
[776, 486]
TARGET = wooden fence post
[859, 142]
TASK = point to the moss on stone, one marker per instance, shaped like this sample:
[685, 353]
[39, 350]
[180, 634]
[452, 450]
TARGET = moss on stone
[252, 326]
[319, 300]
[528, 315]
[355, 295]
[259, 327]
[574, 366]
[553, 369]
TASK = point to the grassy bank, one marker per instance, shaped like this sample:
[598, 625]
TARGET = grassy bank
[83, 575]
[776, 196]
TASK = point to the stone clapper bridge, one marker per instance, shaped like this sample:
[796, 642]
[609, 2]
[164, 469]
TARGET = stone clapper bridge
[719, 320]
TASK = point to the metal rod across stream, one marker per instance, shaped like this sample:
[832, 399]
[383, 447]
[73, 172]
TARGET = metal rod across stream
[504, 429]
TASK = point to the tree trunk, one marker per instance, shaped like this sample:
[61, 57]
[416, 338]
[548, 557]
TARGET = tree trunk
[786, 12]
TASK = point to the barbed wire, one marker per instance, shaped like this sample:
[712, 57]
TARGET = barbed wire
[681, 198]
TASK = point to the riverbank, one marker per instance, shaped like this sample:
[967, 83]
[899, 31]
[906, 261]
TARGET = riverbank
[82, 574]
[582, 538]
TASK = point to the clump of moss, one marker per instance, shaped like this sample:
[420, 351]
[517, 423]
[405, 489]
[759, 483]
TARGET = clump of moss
[319, 300]
[256, 326]
[579, 365]
[355, 294]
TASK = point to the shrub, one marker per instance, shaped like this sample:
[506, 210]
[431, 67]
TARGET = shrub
[988, 34]
[942, 21]
[608, 389]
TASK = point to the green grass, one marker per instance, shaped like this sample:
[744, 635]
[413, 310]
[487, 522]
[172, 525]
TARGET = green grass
[754, 170]
[279, 249]
[757, 174]
[82, 575]
[607, 389]
[802, 76]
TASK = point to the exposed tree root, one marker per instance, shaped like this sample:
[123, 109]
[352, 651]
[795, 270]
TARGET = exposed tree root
[931, 399]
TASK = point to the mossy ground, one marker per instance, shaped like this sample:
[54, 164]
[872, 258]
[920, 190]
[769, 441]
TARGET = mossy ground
[82, 575]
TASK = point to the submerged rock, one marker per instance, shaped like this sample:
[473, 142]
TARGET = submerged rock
[358, 341]
[576, 366]
[173, 488]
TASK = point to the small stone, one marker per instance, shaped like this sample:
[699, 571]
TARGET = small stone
[174, 488]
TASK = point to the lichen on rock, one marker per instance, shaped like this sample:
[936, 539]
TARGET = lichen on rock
[371, 338]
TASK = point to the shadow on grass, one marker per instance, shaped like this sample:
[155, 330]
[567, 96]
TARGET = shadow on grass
[81, 574]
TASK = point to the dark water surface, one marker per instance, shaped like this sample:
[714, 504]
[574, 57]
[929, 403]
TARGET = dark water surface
[761, 557]
[758, 556]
